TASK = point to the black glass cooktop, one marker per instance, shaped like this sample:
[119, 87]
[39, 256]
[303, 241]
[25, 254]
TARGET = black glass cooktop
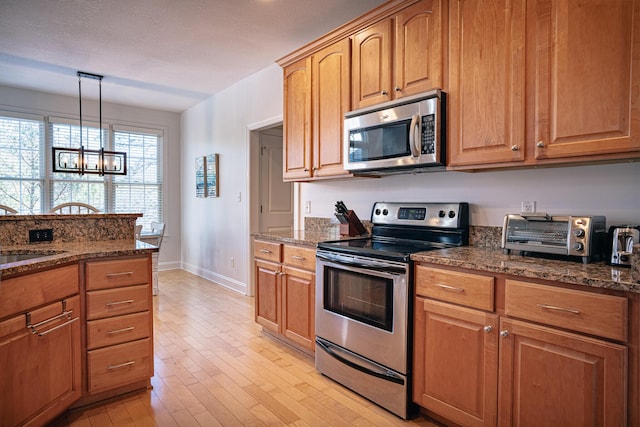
[394, 249]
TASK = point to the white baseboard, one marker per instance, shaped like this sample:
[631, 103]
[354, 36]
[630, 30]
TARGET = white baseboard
[219, 279]
[173, 265]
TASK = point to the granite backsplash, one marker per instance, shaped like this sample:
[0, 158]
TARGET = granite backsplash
[14, 229]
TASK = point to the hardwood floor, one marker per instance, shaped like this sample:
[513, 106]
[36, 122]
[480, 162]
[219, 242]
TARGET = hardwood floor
[214, 367]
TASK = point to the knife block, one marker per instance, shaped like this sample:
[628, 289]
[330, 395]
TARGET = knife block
[353, 227]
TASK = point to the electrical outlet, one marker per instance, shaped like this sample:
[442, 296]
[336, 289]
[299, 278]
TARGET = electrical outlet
[528, 206]
[45, 235]
[233, 262]
[308, 207]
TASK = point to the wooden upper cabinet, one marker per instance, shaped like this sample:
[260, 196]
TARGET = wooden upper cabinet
[419, 48]
[585, 76]
[487, 79]
[399, 56]
[297, 119]
[331, 99]
[372, 65]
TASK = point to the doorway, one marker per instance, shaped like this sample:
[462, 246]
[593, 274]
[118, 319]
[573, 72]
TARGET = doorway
[275, 197]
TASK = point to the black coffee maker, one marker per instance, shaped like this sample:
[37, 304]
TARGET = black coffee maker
[621, 241]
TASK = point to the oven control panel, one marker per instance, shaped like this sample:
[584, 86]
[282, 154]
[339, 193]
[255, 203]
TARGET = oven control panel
[441, 215]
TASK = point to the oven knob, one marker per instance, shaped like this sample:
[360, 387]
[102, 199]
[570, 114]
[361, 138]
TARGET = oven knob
[377, 211]
[578, 232]
[578, 246]
[452, 214]
[385, 212]
[441, 214]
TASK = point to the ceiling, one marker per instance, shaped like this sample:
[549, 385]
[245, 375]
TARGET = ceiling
[162, 54]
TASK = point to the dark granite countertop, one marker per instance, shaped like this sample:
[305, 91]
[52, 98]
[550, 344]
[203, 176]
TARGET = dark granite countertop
[597, 274]
[301, 237]
[67, 252]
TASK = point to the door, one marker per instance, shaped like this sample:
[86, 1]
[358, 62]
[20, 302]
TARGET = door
[418, 53]
[585, 77]
[276, 196]
[372, 65]
[554, 378]
[486, 89]
[297, 119]
[298, 292]
[456, 362]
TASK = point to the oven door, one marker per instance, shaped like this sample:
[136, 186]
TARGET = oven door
[362, 306]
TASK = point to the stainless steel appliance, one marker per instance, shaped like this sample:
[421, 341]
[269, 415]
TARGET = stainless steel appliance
[622, 238]
[571, 236]
[364, 289]
[397, 135]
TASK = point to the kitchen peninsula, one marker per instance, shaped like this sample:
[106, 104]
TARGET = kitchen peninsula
[76, 317]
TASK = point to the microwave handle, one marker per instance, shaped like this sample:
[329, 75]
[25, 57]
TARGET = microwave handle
[414, 129]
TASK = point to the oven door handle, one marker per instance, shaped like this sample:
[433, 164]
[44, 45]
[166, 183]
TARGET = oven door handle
[348, 261]
[372, 370]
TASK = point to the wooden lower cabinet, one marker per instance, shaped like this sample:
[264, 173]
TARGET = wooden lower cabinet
[456, 350]
[546, 355]
[285, 292]
[119, 332]
[40, 367]
[554, 378]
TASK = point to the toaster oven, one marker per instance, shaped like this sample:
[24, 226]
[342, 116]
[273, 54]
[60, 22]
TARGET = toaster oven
[571, 236]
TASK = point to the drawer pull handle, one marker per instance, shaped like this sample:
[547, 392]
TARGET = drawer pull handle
[127, 301]
[450, 288]
[553, 307]
[65, 313]
[297, 257]
[265, 251]
[117, 331]
[114, 275]
[122, 365]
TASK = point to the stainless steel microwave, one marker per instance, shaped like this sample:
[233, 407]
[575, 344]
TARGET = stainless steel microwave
[406, 134]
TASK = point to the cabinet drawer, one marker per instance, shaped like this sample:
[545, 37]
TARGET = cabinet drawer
[602, 315]
[26, 292]
[117, 330]
[119, 272]
[114, 302]
[300, 257]
[119, 365]
[270, 251]
[471, 290]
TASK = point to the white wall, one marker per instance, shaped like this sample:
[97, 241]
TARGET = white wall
[215, 231]
[610, 190]
[32, 102]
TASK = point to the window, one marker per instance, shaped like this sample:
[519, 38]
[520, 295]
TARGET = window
[21, 180]
[140, 190]
[28, 185]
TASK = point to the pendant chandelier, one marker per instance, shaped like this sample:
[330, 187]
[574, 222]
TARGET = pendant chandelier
[83, 160]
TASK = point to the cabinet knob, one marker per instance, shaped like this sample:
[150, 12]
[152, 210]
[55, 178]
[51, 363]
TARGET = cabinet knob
[384, 93]
[488, 329]
[504, 334]
[540, 144]
[398, 89]
[515, 148]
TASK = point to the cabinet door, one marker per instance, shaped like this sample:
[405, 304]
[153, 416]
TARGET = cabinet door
[297, 120]
[298, 311]
[585, 70]
[267, 307]
[40, 374]
[554, 378]
[372, 65]
[456, 362]
[418, 54]
[486, 88]
[331, 98]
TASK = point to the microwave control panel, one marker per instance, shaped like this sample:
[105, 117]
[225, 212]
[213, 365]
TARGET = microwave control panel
[428, 133]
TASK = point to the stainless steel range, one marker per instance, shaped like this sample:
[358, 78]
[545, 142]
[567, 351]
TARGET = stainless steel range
[364, 288]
